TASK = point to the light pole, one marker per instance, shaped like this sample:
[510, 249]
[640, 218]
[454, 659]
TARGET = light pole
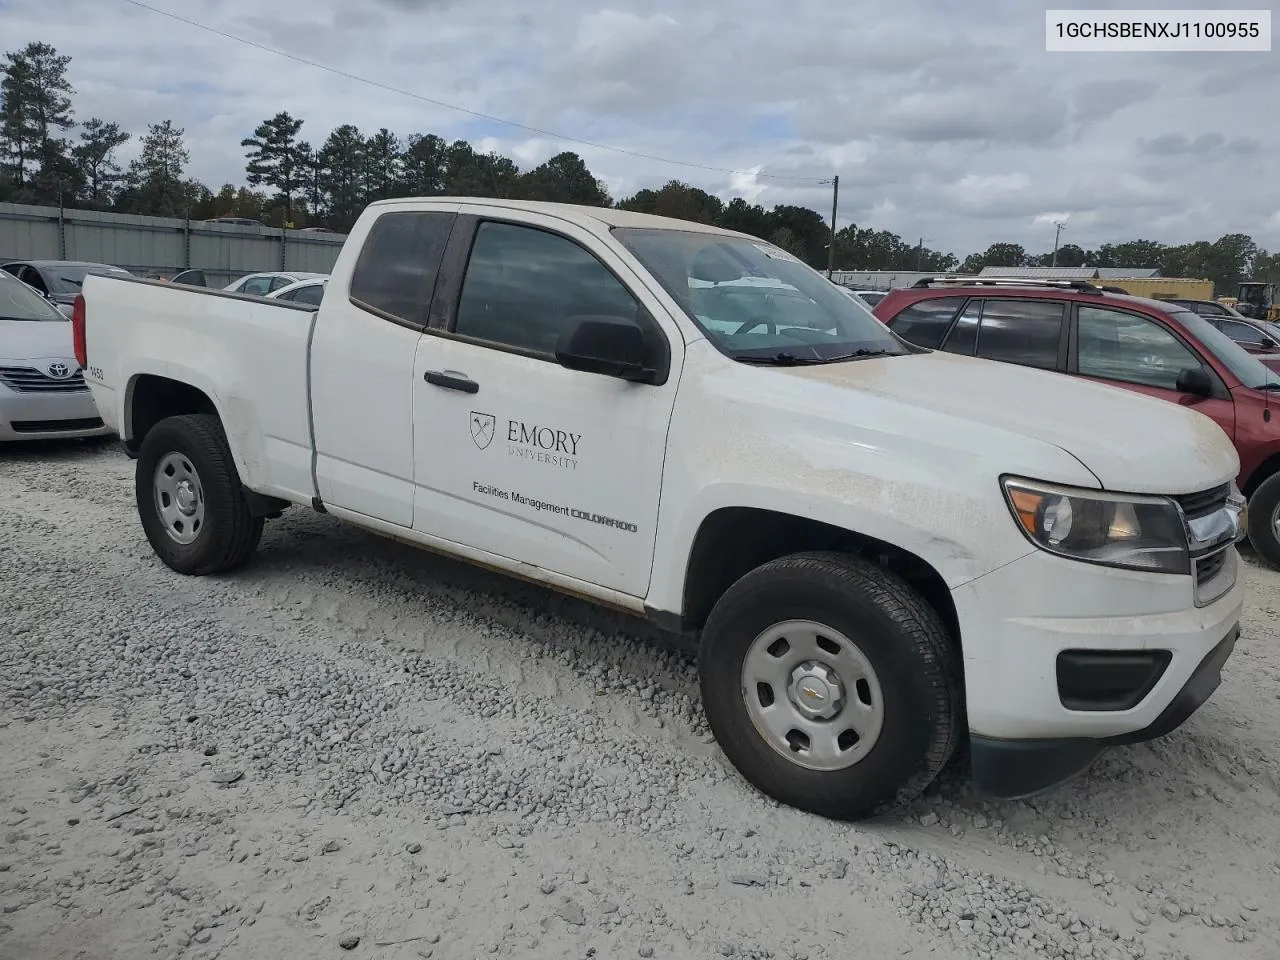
[1060, 225]
[831, 247]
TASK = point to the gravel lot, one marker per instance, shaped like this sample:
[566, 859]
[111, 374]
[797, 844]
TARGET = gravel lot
[353, 739]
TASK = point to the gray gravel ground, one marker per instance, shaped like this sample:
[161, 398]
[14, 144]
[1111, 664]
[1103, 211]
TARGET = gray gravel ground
[353, 748]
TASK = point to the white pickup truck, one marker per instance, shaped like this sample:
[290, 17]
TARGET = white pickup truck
[881, 549]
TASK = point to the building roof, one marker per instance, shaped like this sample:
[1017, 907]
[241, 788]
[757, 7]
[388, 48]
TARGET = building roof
[1042, 273]
[1072, 273]
[1127, 273]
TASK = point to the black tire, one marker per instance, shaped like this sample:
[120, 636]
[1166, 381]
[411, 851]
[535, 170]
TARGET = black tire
[905, 641]
[1262, 511]
[229, 533]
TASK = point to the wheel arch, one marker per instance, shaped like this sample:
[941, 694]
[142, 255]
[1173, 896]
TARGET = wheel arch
[732, 541]
[1263, 472]
[150, 398]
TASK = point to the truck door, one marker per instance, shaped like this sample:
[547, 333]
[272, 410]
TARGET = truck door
[514, 453]
[362, 357]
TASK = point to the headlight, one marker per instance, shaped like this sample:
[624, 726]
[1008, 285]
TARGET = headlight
[1140, 533]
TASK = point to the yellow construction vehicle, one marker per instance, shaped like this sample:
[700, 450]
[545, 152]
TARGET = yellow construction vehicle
[1257, 300]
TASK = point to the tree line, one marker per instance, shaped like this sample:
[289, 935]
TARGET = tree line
[48, 157]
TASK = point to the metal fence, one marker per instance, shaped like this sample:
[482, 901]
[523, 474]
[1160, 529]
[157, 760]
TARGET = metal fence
[144, 245]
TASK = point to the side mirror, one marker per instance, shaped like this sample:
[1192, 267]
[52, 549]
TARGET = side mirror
[613, 346]
[1194, 380]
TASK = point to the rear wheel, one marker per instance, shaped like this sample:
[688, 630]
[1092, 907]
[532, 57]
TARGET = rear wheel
[831, 685]
[1264, 520]
[190, 500]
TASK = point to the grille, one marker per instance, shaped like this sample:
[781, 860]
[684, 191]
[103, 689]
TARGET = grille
[1205, 502]
[31, 380]
[1209, 567]
[49, 426]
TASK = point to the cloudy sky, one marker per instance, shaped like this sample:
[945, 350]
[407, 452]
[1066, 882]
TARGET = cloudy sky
[943, 120]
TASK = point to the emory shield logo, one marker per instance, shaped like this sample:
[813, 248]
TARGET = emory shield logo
[482, 428]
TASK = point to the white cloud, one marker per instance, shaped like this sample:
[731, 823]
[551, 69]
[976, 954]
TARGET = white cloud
[940, 119]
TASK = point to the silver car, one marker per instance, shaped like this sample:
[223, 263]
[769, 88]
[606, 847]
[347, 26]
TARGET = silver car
[42, 392]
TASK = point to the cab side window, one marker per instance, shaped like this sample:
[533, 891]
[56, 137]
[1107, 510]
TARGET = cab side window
[1116, 345]
[399, 262]
[525, 286]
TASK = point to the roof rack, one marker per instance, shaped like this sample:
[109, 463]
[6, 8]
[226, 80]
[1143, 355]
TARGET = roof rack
[1083, 286]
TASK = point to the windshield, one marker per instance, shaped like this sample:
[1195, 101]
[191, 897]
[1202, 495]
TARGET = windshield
[20, 302]
[1247, 368]
[755, 301]
[67, 279]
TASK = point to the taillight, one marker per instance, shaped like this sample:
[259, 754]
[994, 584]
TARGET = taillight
[77, 331]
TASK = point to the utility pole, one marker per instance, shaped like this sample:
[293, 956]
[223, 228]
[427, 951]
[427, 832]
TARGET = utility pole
[831, 249]
[1056, 234]
[919, 254]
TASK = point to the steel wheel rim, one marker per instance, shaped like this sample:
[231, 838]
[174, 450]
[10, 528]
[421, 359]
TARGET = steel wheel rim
[812, 695]
[179, 498]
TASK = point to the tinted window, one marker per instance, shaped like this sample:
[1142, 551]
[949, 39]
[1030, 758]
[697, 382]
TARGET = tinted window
[310, 294]
[523, 285]
[924, 322]
[1025, 332]
[1129, 348]
[398, 264]
[278, 283]
[67, 279]
[964, 335]
[1208, 309]
[871, 299]
[31, 275]
[1244, 333]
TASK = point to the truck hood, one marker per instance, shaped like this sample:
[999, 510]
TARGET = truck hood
[35, 339]
[1129, 441]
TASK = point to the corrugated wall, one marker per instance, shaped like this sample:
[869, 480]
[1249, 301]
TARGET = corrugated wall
[145, 244]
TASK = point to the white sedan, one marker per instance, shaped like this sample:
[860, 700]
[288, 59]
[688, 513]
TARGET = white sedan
[42, 392]
[261, 284]
[309, 291]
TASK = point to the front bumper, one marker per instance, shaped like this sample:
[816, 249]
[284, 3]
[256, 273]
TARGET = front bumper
[1016, 622]
[1009, 769]
[49, 416]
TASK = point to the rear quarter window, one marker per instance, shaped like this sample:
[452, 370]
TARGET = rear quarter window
[925, 322]
[396, 271]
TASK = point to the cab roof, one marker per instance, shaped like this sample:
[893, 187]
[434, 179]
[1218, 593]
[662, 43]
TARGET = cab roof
[582, 214]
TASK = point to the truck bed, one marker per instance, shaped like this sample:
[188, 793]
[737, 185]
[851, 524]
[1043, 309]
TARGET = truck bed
[247, 354]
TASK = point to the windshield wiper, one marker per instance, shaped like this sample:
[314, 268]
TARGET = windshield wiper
[1269, 385]
[780, 359]
[861, 354]
[785, 359]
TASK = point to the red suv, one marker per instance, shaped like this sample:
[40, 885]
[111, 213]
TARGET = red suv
[1154, 347]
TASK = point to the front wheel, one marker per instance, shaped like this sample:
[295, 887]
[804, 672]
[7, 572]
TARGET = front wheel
[1264, 520]
[831, 685]
[190, 500]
